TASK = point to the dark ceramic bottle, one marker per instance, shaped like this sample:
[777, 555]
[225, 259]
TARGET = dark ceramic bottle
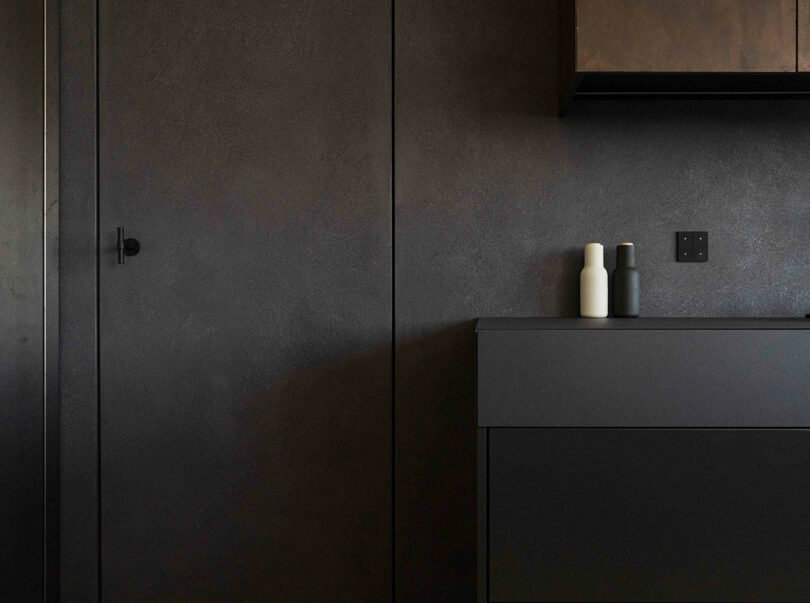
[625, 282]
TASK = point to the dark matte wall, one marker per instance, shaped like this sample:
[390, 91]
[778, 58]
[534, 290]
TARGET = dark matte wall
[21, 296]
[495, 197]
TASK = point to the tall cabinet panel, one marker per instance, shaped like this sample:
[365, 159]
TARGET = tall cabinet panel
[245, 403]
[22, 503]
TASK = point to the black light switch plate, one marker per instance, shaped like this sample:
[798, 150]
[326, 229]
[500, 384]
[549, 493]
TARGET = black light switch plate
[693, 246]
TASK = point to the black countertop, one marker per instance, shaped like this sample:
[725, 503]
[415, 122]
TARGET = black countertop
[540, 324]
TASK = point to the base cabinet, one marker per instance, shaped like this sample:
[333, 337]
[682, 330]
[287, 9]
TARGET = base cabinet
[648, 515]
[643, 460]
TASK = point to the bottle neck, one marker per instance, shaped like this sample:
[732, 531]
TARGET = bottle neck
[626, 256]
[594, 255]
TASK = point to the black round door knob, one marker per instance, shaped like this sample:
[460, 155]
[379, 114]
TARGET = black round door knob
[131, 246]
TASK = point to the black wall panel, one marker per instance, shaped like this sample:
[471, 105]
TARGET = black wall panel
[22, 503]
[495, 197]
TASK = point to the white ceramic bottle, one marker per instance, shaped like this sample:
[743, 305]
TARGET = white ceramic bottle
[593, 283]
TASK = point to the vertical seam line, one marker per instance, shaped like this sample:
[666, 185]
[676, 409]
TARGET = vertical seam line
[393, 312]
[44, 299]
[98, 298]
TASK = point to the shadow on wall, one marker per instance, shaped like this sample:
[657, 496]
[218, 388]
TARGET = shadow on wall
[283, 486]
[557, 275]
[331, 487]
[468, 70]
[436, 440]
[558, 272]
[436, 444]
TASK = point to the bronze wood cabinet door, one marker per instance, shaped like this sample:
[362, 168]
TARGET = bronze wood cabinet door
[803, 35]
[676, 36]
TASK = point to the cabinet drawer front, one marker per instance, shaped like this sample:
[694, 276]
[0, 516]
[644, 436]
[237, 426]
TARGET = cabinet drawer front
[686, 36]
[649, 515]
[644, 378]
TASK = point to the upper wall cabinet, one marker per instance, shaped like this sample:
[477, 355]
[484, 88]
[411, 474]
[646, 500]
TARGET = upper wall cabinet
[700, 46]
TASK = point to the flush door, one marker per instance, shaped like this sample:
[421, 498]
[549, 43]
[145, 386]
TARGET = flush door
[245, 349]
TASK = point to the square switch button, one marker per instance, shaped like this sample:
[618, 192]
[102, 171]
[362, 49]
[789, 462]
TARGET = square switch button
[692, 246]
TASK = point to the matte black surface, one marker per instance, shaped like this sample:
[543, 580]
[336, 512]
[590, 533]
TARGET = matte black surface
[482, 525]
[649, 515]
[22, 416]
[78, 540]
[245, 352]
[692, 246]
[642, 324]
[644, 378]
[710, 84]
[683, 86]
